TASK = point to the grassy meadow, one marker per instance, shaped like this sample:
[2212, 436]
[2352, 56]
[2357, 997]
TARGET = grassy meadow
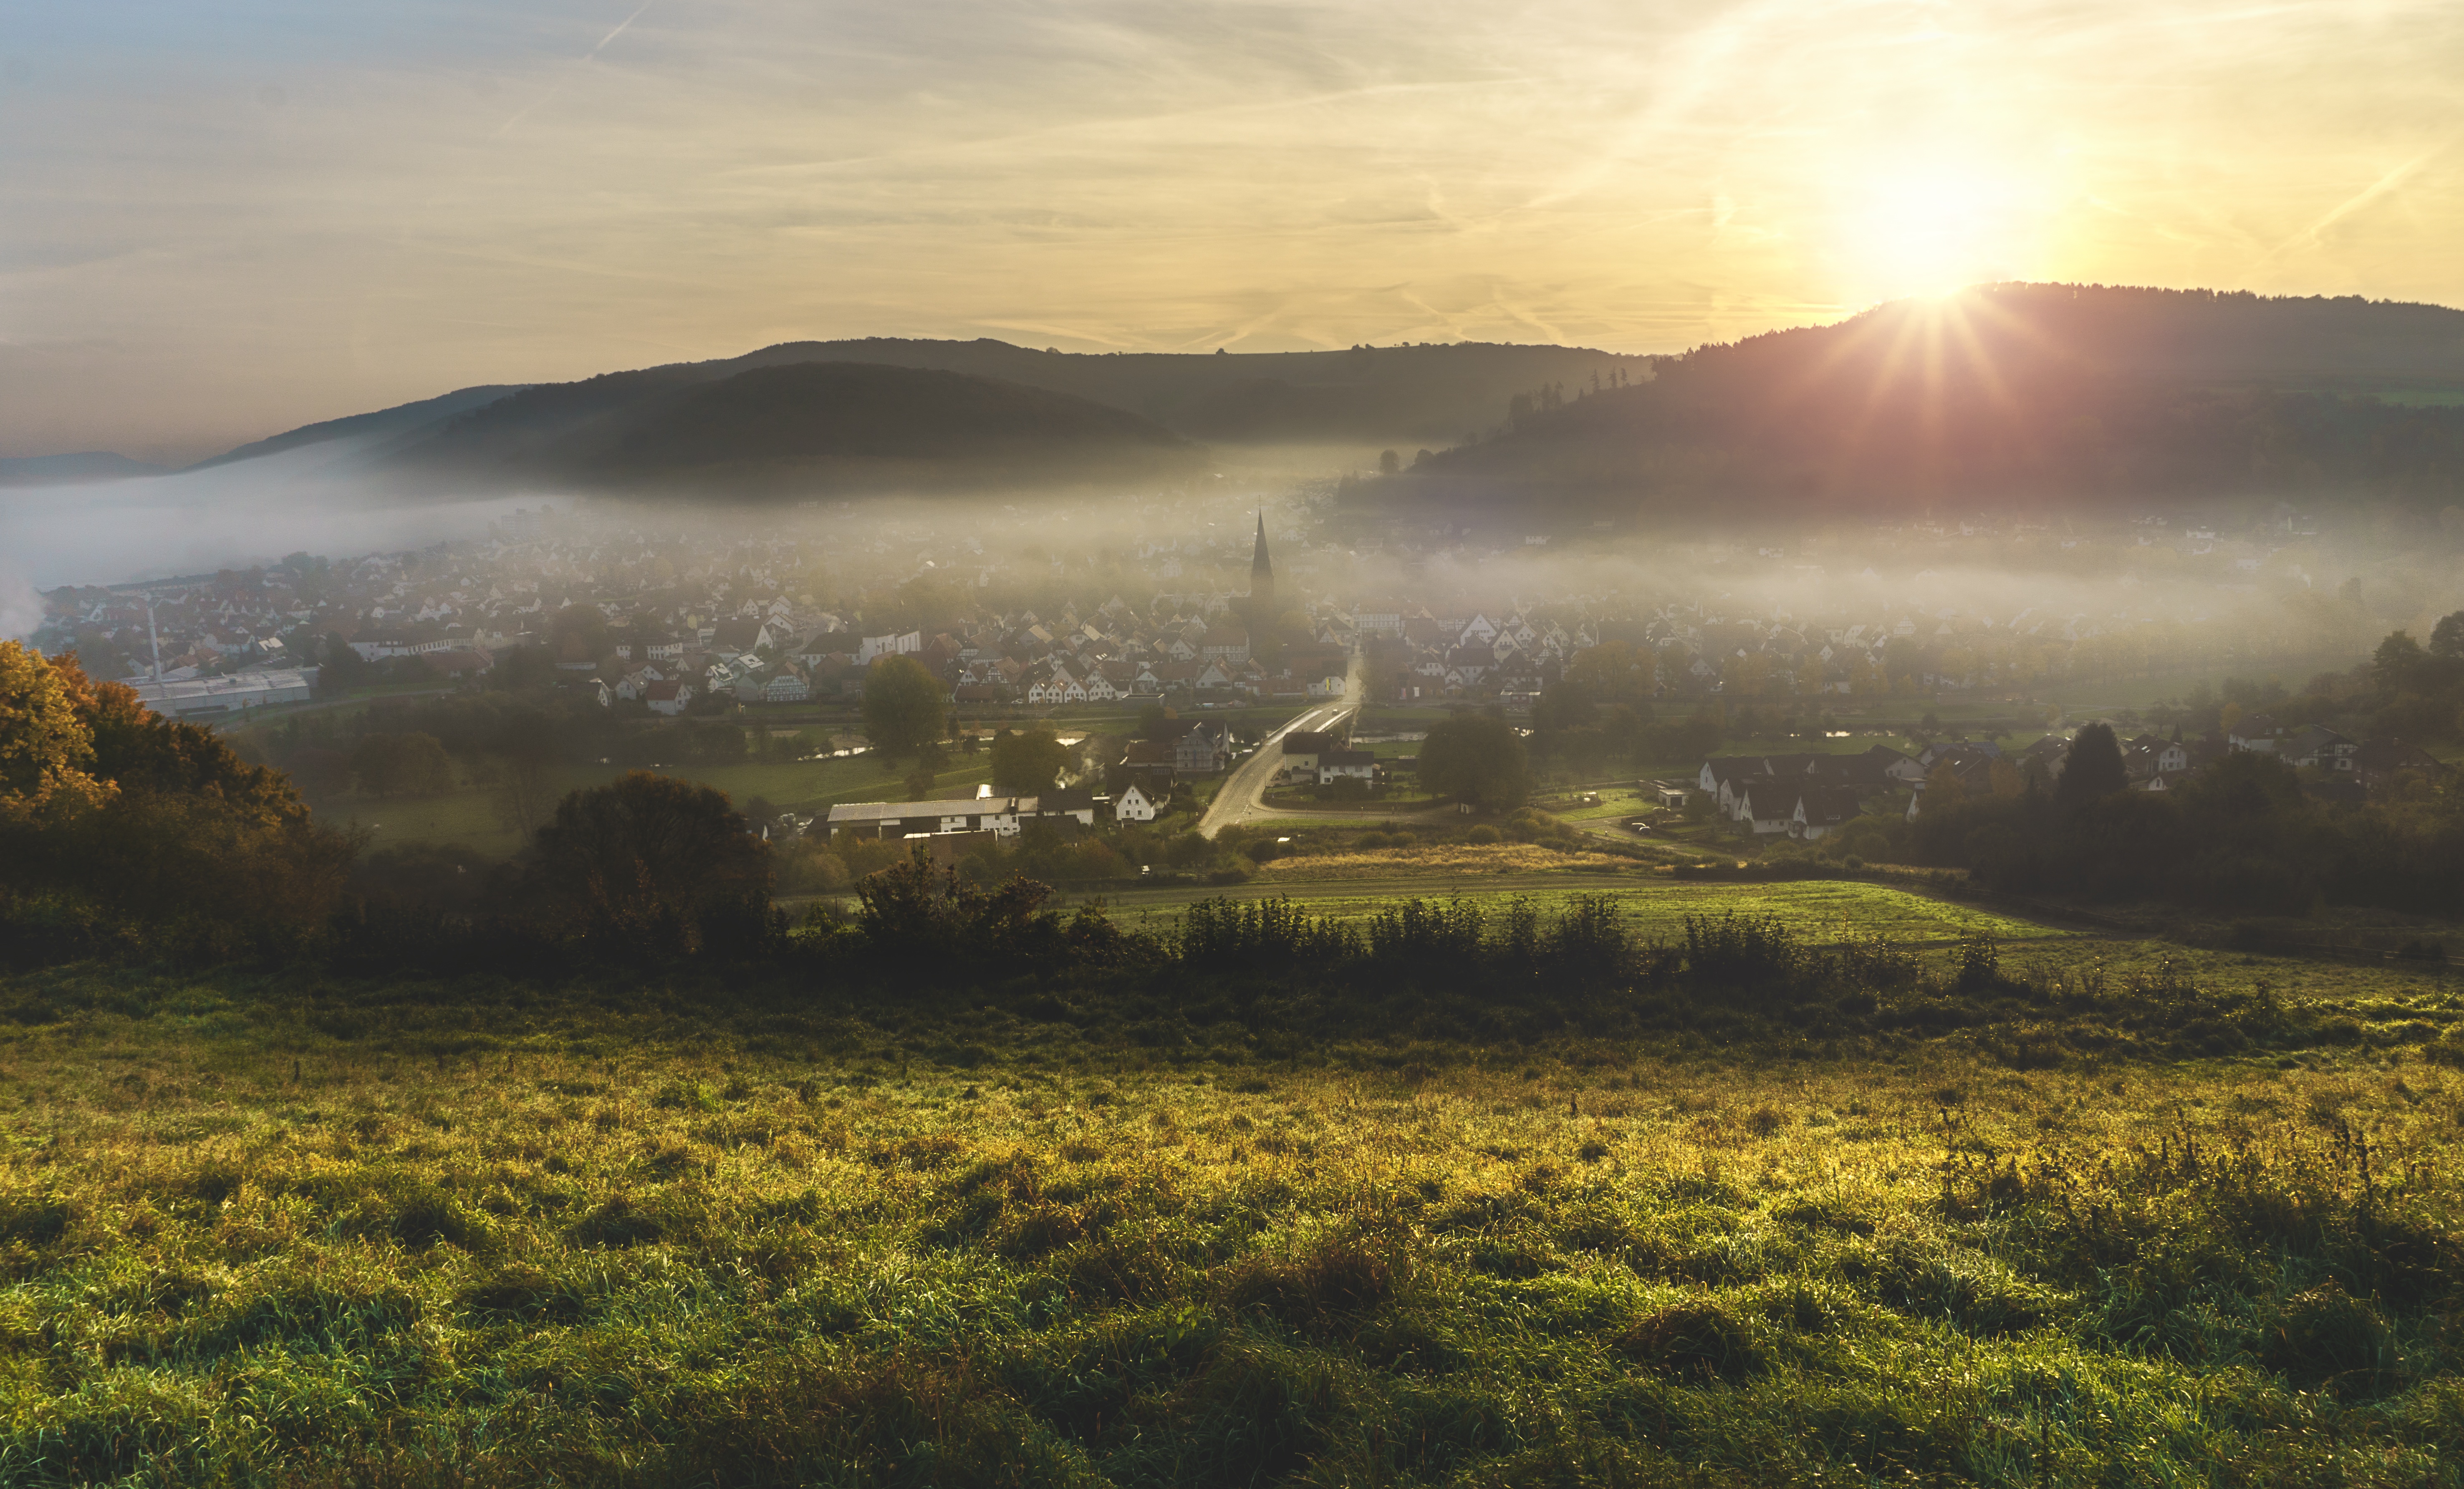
[469, 816]
[2112, 1213]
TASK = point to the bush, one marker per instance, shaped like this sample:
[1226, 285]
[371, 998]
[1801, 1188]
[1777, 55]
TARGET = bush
[1484, 835]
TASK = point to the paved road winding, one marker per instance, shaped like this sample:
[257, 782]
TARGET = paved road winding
[1243, 797]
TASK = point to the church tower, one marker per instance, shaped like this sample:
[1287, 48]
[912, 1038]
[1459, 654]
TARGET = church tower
[1261, 581]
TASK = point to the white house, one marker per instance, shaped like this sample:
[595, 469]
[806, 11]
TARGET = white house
[669, 698]
[1132, 805]
[1334, 765]
[888, 647]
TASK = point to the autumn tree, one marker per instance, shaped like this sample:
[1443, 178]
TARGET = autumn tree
[45, 750]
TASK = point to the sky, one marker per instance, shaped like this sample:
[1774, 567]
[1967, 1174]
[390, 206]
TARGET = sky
[221, 220]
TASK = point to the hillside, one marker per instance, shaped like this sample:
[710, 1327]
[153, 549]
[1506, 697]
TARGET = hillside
[397, 420]
[803, 426]
[1425, 395]
[2017, 391]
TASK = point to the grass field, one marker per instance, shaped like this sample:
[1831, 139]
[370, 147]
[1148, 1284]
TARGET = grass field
[1823, 911]
[469, 816]
[287, 1228]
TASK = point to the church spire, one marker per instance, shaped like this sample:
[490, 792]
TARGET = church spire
[1262, 572]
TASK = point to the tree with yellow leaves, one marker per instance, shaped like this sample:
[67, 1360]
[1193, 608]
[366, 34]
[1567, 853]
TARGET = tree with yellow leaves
[46, 748]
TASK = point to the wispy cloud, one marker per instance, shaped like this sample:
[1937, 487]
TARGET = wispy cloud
[185, 264]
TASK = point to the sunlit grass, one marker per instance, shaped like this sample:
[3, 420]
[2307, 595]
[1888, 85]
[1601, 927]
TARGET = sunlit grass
[286, 1230]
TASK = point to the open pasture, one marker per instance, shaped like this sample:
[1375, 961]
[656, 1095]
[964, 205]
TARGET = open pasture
[287, 1230]
[1823, 911]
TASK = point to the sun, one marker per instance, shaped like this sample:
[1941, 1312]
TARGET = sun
[1925, 231]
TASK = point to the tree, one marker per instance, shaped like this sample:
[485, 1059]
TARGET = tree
[902, 706]
[341, 668]
[1027, 764]
[2446, 637]
[101, 797]
[1478, 759]
[1389, 462]
[1614, 672]
[2397, 661]
[1564, 704]
[641, 857]
[45, 750]
[2092, 770]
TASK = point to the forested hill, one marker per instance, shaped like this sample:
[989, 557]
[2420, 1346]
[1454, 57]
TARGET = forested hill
[2033, 391]
[1409, 395]
[1433, 395]
[803, 427]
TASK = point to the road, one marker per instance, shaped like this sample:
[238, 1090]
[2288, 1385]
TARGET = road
[1243, 797]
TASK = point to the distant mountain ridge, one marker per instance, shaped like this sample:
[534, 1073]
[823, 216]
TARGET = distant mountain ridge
[2001, 390]
[2004, 392]
[809, 426]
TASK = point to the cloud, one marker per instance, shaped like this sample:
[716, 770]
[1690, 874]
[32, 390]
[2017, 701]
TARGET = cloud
[183, 267]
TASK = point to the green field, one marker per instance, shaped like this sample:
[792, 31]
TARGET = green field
[1823, 911]
[741, 1226]
[468, 817]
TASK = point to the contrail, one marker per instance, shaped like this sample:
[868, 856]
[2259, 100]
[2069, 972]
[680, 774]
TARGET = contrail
[619, 30]
[590, 55]
[2386, 184]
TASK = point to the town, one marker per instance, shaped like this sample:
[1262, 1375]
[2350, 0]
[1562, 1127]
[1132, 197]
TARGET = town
[1679, 660]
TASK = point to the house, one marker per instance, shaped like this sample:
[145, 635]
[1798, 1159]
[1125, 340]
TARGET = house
[2258, 732]
[2148, 756]
[1302, 748]
[459, 663]
[1767, 803]
[1134, 805]
[669, 698]
[2377, 763]
[2318, 745]
[1334, 765]
[787, 685]
[899, 644]
[1151, 758]
[1071, 802]
[1823, 810]
[742, 638]
[1205, 750]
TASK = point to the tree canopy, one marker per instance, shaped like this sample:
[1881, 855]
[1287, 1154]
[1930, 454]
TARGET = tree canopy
[1479, 759]
[2092, 769]
[1028, 762]
[646, 853]
[902, 706]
